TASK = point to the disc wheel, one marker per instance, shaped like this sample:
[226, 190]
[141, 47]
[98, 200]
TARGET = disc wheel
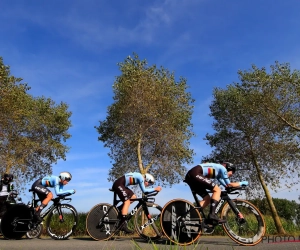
[15, 221]
[181, 222]
[100, 225]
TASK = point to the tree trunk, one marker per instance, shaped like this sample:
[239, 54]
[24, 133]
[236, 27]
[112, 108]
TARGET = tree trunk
[274, 213]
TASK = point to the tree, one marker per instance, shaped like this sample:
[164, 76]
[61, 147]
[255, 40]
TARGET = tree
[32, 129]
[257, 139]
[148, 126]
[288, 210]
[278, 93]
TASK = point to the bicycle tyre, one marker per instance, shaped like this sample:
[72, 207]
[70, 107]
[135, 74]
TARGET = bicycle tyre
[148, 228]
[106, 228]
[175, 230]
[10, 227]
[62, 230]
[249, 232]
[35, 233]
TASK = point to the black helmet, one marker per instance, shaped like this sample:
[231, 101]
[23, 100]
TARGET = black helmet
[229, 166]
[7, 178]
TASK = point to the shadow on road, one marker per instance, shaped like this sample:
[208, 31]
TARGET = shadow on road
[220, 241]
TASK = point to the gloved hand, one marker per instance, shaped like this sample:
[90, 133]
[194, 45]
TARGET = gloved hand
[244, 183]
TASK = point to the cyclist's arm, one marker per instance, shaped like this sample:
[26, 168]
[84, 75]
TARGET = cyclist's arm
[144, 189]
[223, 177]
[234, 184]
[59, 190]
[140, 181]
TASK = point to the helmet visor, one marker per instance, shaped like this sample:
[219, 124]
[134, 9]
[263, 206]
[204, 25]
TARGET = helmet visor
[67, 179]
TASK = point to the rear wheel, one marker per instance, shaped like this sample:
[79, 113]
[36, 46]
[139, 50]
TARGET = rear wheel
[181, 222]
[247, 228]
[101, 221]
[147, 224]
[15, 222]
[62, 222]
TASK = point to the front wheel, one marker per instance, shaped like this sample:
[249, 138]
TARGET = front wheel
[181, 222]
[35, 232]
[147, 223]
[62, 222]
[248, 227]
[101, 221]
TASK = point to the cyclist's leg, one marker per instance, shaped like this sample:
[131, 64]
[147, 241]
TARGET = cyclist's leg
[214, 203]
[125, 210]
[123, 219]
[125, 194]
[205, 201]
[44, 202]
[200, 184]
[44, 194]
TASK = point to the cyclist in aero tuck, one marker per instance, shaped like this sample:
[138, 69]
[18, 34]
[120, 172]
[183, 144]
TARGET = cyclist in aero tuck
[199, 178]
[120, 186]
[45, 195]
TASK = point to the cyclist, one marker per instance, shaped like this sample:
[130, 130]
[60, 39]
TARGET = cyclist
[5, 188]
[120, 186]
[45, 195]
[199, 178]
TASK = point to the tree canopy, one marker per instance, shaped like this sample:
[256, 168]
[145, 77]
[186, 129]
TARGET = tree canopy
[32, 129]
[256, 124]
[278, 94]
[148, 126]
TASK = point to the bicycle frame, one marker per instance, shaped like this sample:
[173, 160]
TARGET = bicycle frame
[224, 198]
[56, 204]
[141, 202]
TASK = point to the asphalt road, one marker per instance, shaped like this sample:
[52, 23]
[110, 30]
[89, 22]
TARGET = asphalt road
[86, 243]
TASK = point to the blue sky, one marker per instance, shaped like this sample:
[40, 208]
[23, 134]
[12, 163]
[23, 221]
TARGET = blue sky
[68, 51]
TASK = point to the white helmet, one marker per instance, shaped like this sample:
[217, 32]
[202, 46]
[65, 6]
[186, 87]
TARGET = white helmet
[65, 176]
[149, 178]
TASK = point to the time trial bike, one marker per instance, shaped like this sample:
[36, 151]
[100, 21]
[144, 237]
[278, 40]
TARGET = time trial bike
[183, 223]
[102, 222]
[61, 219]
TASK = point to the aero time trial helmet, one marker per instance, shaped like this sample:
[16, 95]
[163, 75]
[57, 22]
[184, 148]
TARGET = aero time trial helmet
[149, 178]
[65, 176]
[229, 166]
